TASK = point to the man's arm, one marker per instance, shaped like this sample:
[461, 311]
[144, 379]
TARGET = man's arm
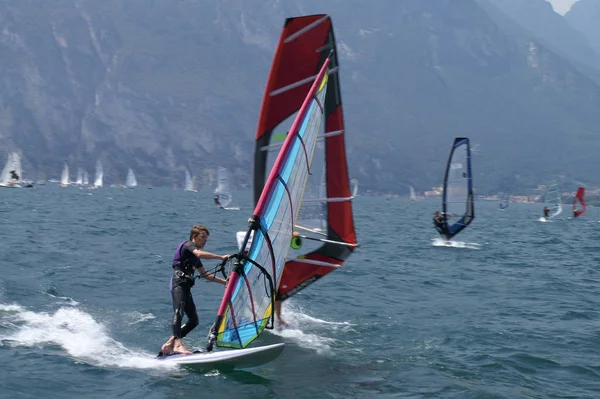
[209, 255]
[211, 276]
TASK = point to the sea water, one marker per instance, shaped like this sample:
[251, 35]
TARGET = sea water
[509, 310]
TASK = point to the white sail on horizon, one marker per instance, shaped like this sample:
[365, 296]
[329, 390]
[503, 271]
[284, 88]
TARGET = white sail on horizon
[130, 181]
[64, 177]
[79, 179]
[11, 175]
[223, 191]
[189, 182]
[98, 181]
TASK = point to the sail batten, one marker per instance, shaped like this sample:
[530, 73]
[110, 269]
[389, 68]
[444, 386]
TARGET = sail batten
[305, 29]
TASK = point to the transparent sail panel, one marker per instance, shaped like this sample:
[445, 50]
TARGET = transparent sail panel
[313, 212]
[457, 186]
[553, 200]
[223, 187]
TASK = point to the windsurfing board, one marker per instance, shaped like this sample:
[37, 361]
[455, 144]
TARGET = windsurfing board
[228, 359]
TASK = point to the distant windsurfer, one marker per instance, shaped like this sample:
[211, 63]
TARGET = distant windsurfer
[439, 221]
[216, 198]
[546, 212]
[186, 261]
[576, 212]
[14, 175]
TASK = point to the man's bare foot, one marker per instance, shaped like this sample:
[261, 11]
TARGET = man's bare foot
[167, 348]
[282, 323]
[181, 349]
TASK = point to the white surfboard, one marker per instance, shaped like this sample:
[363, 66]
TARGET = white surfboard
[228, 359]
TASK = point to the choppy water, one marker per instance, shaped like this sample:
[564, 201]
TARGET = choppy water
[510, 312]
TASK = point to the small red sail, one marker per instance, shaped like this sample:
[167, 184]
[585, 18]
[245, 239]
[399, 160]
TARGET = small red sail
[579, 198]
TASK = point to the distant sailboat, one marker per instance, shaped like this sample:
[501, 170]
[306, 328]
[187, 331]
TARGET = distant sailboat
[99, 180]
[413, 196]
[41, 178]
[86, 179]
[64, 177]
[222, 194]
[79, 179]
[189, 183]
[354, 185]
[11, 175]
[503, 200]
[131, 181]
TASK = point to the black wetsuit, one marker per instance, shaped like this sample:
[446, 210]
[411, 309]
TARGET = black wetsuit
[14, 175]
[184, 265]
[546, 212]
[216, 198]
[440, 226]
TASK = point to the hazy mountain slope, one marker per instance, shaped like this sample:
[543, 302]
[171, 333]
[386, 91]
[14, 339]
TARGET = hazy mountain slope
[160, 86]
[585, 17]
[550, 28]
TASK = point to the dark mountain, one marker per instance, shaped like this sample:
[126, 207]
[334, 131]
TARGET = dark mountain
[585, 17]
[160, 86]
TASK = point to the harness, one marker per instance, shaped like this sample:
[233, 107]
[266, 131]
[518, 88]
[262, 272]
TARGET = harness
[184, 268]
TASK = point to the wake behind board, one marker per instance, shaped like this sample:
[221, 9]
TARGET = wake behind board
[228, 359]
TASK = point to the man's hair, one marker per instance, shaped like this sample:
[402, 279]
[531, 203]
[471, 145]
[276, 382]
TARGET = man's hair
[197, 229]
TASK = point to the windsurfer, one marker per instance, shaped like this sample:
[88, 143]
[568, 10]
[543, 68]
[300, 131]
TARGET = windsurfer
[216, 198]
[186, 261]
[546, 211]
[438, 222]
[14, 175]
[576, 212]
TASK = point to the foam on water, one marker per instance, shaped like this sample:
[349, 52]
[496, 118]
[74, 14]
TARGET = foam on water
[439, 242]
[76, 332]
[307, 331]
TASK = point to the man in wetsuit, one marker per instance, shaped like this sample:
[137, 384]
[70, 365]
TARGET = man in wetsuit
[546, 211]
[185, 262]
[216, 198]
[576, 212]
[438, 222]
